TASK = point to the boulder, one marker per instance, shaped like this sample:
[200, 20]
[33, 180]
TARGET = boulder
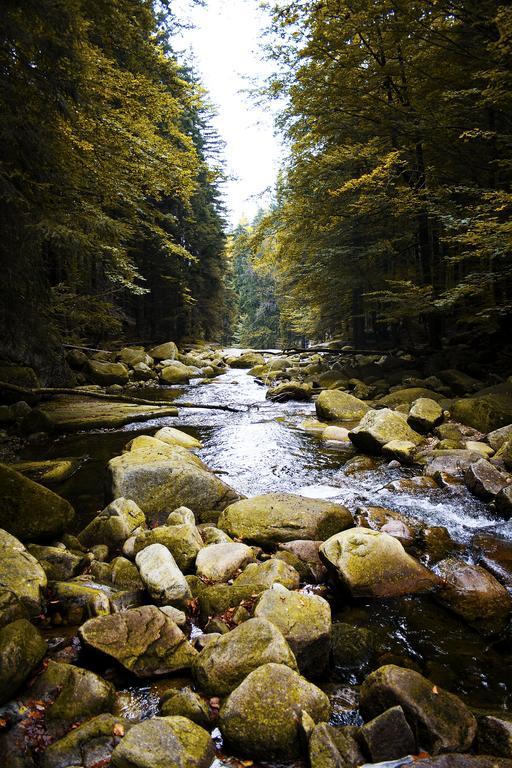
[460, 383]
[484, 480]
[504, 454]
[389, 736]
[408, 395]
[163, 742]
[495, 554]
[266, 574]
[160, 479]
[51, 471]
[29, 511]
[133, 356]
[380, 427]
[21, 573]
[499, 436]
[352, 648]
[219, 598]
[337, 434]
[335, 405]
[225, 663]
[335, 747]
[91, 744]
[260, 718]
[76, 693]
[305, 622]
[289, 390]
[440, 720]
[186, 703]
[401, 450]
[106, 373]
[453, 462]
[113, 525]
[374, 564]
[278, 517]
[308, 553]
[221, 562]
[57, 562]
[474, 594]
[167, 351]
[173, 436]
[486, 411]
[162, 578]
[144, 640]
[246, 360]
[425, 414]
[503, 502]
[494, 735]
[11, 608]
[177, 373]
[22, 647]
[183, 542]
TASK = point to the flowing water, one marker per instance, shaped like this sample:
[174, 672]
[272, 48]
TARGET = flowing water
[261, 448]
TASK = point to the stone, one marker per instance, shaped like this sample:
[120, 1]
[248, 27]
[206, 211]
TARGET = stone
[133, 356]
[504, 454]
[173, 436]
[21, 375]
[162, 742]
[460, 383]
[408, 395]
[352, 647]
[441, 720]
[487, 411]
[495, 554]
[334, 747]
[224, 664]
[59, 564]
[71, 414]
[186, 703]
[260, 718]
[30, 511]
[183, 542]
[474, 594]
[374, 564]
[425, 414]
[266, 574]
[50, 472]
[11, 608]
[210, 534]
[77, 693]
[308, 552]
[21, 573]
[499, 436]
[144, 640]
[484, 479]
[453, 462]
[304, 621]
[335, 405]
[221, 562]
[163, 478]
[401, 450]
[437, 543]
[246, 360]
[279, 517]
[503, 502]
[388, 521]
[124, 574]
[162, 578]
[90, 744]
[289, 390]
[167, 351]
[179, 617]
[106, 373]
[142, 372]
[380, 427]
[114, 524]
[22, 647]
[219, 598]
[388, 736]
[494, 735]
[482, 448]
[177, 373]
[337, 434]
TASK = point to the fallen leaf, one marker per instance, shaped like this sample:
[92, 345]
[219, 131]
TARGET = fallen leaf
[435, 691]
[118, 729]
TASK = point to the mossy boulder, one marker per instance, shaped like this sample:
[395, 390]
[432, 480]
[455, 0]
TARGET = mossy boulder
[163, 742]
[290, 390]
[166, 351]
[221, 562]
[173, 436]
[425, 414]
[335, 405]
[408, 395]
[30, 511]
[487, 411]
[441, 721]
[186, 703]
[21, 573]
[22, 647]
[485, 480]
[219, 598]
[246, 360]
[389, 736]
[11, 608]
[51, 471]
[270, 572]
[144, 640]
[279, 517]
[161, 478]
[474, 594]
[133, 356]
[335, 747]
[374, 564]
[305, 622]
[106, 373]
[177, 373]
[378, 428]
[114, 524]
[183, 542]
[58, 563]
[162, 578]
[261, 718]
[90, 744]
[225, 663]
[77, 693]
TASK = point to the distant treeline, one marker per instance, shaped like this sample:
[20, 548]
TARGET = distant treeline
[110, 211]
[392, 219]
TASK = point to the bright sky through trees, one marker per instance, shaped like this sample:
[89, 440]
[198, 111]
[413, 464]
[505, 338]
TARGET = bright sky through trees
[225, 45]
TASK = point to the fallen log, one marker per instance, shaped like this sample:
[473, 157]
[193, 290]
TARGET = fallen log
[43, 393]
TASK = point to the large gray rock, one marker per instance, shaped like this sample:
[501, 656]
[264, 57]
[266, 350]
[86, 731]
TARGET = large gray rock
[162, 477]
[163, 742]
[261, 717]
[378, 428]
[21, 573]
[485, 480]
[162, 578]
[221, 562]
[425, 414]
[167, 351]
[389, 736]
[22, 647]
[177, 373]
[223, 664]
[114, 524]
[374, 564]
[305, 622]
[183, 541]
[442, 721]
[30, 511]
[106, 373]
[144, 640]
[270, 572]
[335, 405]
[278, 517]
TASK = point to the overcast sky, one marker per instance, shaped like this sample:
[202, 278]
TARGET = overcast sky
[225, 42]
